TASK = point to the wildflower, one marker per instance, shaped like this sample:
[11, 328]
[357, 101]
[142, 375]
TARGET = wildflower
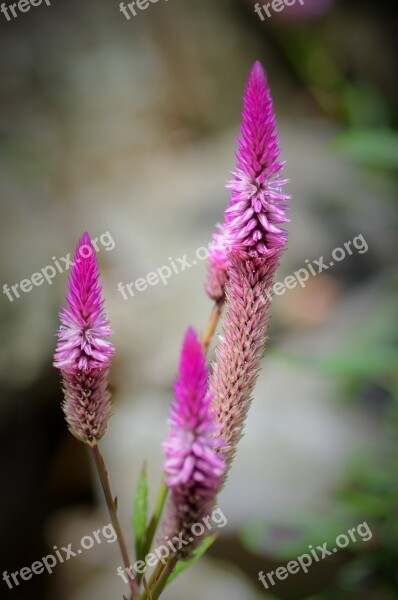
[83, 354]
[257, 205]
[193, 466]
[252, 242]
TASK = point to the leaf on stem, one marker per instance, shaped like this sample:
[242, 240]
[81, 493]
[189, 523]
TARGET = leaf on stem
[139, 518]
[182, 565]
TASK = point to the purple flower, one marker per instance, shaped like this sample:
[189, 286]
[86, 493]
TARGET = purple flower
[193, 464]
[257, 206]
[83, 354]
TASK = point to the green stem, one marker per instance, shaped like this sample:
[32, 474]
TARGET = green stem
[153, 525]
[106, 486]
[167, 571]
[153, 580]
[147, 590]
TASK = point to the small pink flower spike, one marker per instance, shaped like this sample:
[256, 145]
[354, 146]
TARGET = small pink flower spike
[83, 354]
[193, 465]
[218, 264]
[257, 206]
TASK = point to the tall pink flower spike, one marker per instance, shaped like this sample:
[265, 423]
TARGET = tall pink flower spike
[257, 205]
[193, 465]
[83, 354]
[251, 244]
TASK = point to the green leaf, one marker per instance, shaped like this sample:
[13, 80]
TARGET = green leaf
[139, 519]
[182, 565]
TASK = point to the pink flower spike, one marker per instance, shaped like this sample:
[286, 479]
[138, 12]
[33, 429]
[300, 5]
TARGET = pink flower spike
[83, 354]
[217, 267]
[193, 429]
[193, 464]
[257, 204]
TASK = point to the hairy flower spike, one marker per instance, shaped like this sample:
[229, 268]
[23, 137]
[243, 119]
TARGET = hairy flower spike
[238, 354]
[83, 353]
[257, 206]
[193, 466]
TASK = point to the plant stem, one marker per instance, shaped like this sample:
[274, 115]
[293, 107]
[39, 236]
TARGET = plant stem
[212, 324]
[164, 577]
[106, 486]
[153, 580]
[147, 590]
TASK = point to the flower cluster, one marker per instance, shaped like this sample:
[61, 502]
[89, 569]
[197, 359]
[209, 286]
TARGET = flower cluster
[208, 414]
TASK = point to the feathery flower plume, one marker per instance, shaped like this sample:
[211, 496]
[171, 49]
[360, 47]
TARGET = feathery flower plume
[83, 354]
[257, 205]
[193, 466]
[253, 244]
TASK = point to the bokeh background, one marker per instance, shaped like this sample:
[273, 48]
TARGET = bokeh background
[128, 127]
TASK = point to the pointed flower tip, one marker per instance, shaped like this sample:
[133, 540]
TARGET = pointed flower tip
[85, 238]
[84, 249]
[191, 339]
[257, 80]
[258, 71]
[82, 342]
[189, 346]
[193, 372]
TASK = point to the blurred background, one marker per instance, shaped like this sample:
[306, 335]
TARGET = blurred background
[128, 127]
